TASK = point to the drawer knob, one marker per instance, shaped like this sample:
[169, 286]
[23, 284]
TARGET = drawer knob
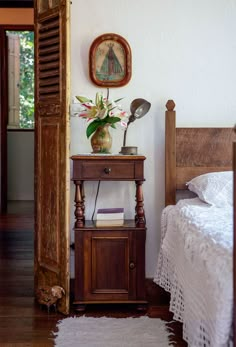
[107, 170]
[132, 265]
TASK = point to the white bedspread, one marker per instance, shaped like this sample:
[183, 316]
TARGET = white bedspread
[195, 266]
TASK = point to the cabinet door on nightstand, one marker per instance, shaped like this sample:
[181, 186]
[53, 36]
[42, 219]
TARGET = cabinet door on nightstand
[110, 271]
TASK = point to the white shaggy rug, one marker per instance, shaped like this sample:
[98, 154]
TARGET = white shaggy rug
[112, 332]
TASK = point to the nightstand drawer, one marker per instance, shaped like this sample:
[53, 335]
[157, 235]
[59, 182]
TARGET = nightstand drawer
[108, 170]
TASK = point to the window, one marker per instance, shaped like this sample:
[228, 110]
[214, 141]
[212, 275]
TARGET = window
[20, 79]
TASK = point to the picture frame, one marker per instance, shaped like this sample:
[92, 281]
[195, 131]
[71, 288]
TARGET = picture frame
[110, 61]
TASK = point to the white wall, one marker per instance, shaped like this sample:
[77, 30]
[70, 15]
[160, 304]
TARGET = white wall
[183, 50]
[20, 165]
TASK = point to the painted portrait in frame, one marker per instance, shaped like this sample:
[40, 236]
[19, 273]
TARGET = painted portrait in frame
[110, 61]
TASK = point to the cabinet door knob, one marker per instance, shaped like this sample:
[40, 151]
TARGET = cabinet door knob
[131, 265]
[107, 170]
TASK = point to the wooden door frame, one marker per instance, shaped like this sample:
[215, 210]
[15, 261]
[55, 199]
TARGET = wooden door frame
[16, 3]
[4, 108]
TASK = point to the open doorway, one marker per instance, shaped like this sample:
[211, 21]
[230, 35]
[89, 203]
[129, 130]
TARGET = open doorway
[17, 120]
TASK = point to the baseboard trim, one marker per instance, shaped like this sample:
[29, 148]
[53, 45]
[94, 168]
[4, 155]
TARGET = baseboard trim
[155, 294]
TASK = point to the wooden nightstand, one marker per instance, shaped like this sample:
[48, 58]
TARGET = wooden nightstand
[109, 261]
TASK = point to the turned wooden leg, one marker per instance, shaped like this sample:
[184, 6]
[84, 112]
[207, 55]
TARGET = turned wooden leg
[79, 205]
[83, 198]
[80, 307]
[142, 307]
[139, 210]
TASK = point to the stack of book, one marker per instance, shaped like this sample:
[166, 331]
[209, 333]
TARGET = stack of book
[110, 217]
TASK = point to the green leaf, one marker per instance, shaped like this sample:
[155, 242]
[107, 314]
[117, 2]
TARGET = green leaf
[117, 100]
[113, 120]
[83, 99]
[110, 109]
[92, 127]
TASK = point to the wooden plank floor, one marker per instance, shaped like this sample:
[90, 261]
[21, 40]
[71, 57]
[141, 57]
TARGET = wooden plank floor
[22, 321]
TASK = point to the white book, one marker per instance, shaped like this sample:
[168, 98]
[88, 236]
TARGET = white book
[109, 223]
[110, 213]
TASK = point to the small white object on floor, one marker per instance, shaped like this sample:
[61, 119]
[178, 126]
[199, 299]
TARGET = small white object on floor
[112, 332]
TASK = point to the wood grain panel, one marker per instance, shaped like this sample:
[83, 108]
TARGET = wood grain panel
[45, 5]
[205, 147]
[101, 275]
[110, 254]
[90, 167]
[49, 242]
[114, 170]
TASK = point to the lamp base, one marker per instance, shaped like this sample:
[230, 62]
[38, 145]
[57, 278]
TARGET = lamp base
[129, 150]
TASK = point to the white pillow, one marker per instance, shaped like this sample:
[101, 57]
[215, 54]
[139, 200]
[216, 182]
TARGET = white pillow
[215, 188]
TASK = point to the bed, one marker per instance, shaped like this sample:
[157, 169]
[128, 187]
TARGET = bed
[195, 258]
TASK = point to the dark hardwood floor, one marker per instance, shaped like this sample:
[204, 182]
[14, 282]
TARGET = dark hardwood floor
[22, 321]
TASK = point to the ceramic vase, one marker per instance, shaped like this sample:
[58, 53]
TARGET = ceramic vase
[101, 140]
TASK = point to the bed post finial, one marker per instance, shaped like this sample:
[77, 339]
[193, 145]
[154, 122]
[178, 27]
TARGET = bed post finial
[170, 155]
[170, 105]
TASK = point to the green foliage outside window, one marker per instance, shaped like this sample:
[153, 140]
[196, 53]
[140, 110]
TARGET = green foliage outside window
[26, 87]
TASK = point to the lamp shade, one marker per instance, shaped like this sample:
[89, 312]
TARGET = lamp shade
[139, 107]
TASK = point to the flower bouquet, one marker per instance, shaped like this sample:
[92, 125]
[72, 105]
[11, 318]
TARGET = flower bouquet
[100, 115]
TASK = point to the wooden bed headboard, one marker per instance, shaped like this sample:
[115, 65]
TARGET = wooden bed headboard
[190, 152]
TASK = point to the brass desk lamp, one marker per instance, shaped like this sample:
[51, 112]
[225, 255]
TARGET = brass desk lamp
[139, 107]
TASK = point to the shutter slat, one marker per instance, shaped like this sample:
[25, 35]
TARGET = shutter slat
[51, 89]
[46, 74]
[49, 42]
[47, 34]
[49, 66]
[48, 50]
[49, 59]
[48, 97]
[49, 24]
[48, 82]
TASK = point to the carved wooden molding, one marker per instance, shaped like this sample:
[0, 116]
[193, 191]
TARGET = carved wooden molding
[50, 109]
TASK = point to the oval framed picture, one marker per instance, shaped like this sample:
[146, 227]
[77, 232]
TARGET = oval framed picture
[110, 61]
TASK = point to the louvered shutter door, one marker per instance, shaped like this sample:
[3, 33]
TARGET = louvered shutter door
[52, 179]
